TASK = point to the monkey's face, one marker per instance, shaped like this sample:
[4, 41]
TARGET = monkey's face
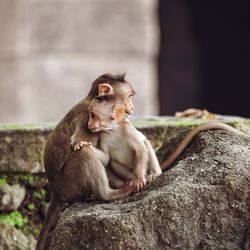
[104, 116]
[124, 92]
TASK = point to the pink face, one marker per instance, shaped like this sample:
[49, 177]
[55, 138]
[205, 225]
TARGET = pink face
[124, 92]
[104, 116]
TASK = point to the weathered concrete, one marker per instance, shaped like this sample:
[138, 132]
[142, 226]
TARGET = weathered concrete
[22, 146]
[203, 202]
[68, 44]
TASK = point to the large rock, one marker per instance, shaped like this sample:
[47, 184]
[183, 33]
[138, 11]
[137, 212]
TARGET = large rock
[203, 202]
[11, 197]
[13, 239]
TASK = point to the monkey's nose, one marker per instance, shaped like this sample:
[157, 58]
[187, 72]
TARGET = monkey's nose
[91, 126]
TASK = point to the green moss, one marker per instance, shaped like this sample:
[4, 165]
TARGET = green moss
[3, 180]
[170, 121]
[28, 217]
[40, 153]
[31, 206]
[27, 178]
[26, 127]
[14, 218]
[30, 180]
[167, 122]
[41, 194]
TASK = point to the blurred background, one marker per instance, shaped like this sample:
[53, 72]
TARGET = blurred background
[177, 54]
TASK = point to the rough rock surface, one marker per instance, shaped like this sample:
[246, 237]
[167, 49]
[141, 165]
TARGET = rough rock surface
[203, 202]
[11, 197]
[13, 239]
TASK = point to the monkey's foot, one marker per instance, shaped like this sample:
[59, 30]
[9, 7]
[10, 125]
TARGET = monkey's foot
[80, 144]
[137, 184]
[151, 177]
[129, 190]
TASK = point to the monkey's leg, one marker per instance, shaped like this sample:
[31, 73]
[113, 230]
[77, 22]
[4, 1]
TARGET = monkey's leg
[101, 155]
[121, 171]
[88, 176]
[114, 180]
[154, 168]
[140, 170]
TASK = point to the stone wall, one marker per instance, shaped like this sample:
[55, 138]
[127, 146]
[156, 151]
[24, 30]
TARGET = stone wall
[24, 193]
[52, 50]
[22, 146]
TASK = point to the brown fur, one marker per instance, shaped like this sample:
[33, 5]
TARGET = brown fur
[75, 175]
[130, 155]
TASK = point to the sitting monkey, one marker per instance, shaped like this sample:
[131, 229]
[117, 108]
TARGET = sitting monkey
[125, 151]
[75, 176]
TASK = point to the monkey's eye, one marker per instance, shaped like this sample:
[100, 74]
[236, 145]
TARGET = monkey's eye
[92, 115]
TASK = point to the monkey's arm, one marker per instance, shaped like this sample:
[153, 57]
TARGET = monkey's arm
[121, 171]
[102, 156]
[154, 168]
[141, 160]
[139, 154]
[114, 180]
[77, 136]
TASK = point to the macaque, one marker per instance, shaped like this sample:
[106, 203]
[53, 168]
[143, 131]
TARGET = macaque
[76, 175]
[125, 150]
[196, 113]
[75, 172]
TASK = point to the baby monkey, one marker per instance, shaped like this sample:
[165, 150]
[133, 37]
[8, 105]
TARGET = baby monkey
[126, 153]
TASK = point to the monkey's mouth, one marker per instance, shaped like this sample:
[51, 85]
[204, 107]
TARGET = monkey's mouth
[101, 129]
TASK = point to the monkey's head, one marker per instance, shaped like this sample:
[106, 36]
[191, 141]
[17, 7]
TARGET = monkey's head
[114, 84]
[122, 91]
[105, 112]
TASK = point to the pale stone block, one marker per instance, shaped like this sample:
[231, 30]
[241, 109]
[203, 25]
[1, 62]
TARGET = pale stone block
[49, 87]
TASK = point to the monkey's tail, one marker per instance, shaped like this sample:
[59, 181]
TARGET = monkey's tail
[189, 137]
[50, 220]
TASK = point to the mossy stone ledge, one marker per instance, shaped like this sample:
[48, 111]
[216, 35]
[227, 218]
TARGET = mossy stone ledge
[22, 146]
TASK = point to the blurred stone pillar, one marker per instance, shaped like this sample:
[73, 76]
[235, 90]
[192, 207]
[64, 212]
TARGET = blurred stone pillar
[62, 46]
[8, 76]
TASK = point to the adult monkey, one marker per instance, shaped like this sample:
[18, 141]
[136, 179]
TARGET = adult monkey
[74, 175]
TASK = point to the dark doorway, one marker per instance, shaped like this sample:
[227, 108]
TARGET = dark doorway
[204, 58]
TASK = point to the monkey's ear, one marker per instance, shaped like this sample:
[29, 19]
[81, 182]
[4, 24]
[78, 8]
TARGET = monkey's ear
[118, 113]
[105, 89]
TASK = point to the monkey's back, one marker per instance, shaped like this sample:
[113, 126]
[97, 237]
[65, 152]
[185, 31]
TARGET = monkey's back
[58, 147]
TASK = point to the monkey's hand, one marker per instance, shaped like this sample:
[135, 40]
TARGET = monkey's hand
[151, 177]
[80, 144]
[137, 184]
